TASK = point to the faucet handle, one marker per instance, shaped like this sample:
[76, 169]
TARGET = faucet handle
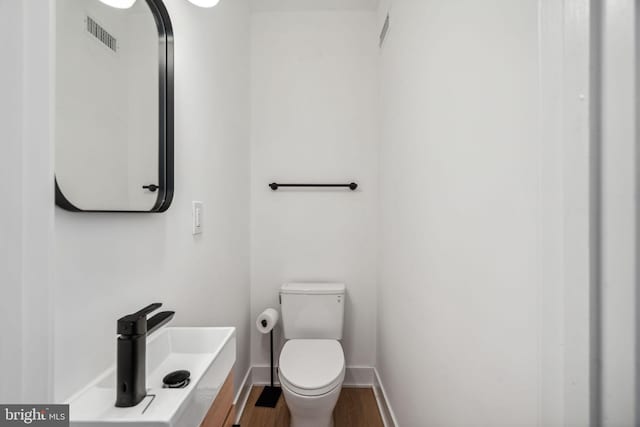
[148, 309]
[136, 323]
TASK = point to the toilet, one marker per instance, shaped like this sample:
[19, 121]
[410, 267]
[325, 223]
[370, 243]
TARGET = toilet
[312, 365]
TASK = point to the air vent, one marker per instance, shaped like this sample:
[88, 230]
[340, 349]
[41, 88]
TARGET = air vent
[385, 30]
[102, 35]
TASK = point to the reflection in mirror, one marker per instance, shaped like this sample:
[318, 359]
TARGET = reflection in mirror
[113, 106]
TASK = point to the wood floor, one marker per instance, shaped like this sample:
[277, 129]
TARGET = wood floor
[356, 408]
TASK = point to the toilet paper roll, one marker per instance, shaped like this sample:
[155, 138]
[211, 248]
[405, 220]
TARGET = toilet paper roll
[267, 320]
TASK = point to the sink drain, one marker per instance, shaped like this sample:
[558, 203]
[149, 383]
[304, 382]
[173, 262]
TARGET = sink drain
[176, 379]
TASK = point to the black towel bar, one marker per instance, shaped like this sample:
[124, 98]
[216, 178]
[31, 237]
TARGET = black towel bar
[274, 186]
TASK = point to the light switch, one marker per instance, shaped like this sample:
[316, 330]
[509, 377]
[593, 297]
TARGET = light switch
[197, 218]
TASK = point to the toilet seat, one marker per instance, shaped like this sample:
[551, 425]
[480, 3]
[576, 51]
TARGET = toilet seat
[312, 367]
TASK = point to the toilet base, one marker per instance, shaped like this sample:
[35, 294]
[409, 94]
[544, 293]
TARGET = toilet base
[314, 411]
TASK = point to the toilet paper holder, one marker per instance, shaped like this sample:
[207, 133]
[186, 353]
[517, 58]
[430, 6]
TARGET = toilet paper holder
[270, 394]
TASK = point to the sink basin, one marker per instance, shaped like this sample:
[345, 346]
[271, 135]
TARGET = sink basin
[208, 353]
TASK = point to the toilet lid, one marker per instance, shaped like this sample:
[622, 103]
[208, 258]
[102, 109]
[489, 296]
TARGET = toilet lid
[311, 367]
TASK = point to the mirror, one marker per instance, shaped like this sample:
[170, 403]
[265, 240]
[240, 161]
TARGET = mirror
[113, 107]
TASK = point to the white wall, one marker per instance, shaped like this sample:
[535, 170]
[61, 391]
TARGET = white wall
[567, 98]
[10, 216]
[312, 5]
[37, 203]
[619, 214]
[110, 264]
[314, 112]
[460, 333]
[25, 226]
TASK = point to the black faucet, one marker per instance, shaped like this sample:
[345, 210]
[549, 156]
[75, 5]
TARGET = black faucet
[132, 351]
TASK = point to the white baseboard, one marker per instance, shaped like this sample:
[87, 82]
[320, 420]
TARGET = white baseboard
[388, 417]
[358, 376]
[355, 376]
[242, 396]
[260, 375]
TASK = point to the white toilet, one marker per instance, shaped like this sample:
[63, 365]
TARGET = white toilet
[312, 362]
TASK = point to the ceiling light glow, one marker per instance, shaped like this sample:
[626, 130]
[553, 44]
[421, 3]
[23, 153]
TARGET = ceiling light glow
[119, 4]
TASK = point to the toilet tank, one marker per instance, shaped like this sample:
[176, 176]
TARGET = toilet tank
[312, 310]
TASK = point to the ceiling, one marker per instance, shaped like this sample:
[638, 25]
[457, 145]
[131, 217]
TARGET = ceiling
[296, 5]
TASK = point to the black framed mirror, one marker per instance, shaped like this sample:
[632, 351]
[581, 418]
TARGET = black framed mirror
[114, 118]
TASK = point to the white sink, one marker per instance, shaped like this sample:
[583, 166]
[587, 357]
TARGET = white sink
[208, 353]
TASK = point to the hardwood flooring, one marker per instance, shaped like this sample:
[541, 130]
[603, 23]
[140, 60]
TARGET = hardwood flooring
[356, 407]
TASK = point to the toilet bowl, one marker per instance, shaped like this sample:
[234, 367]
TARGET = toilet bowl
[311, 374]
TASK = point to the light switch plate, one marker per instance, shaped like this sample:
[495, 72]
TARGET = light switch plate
[197, 215]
